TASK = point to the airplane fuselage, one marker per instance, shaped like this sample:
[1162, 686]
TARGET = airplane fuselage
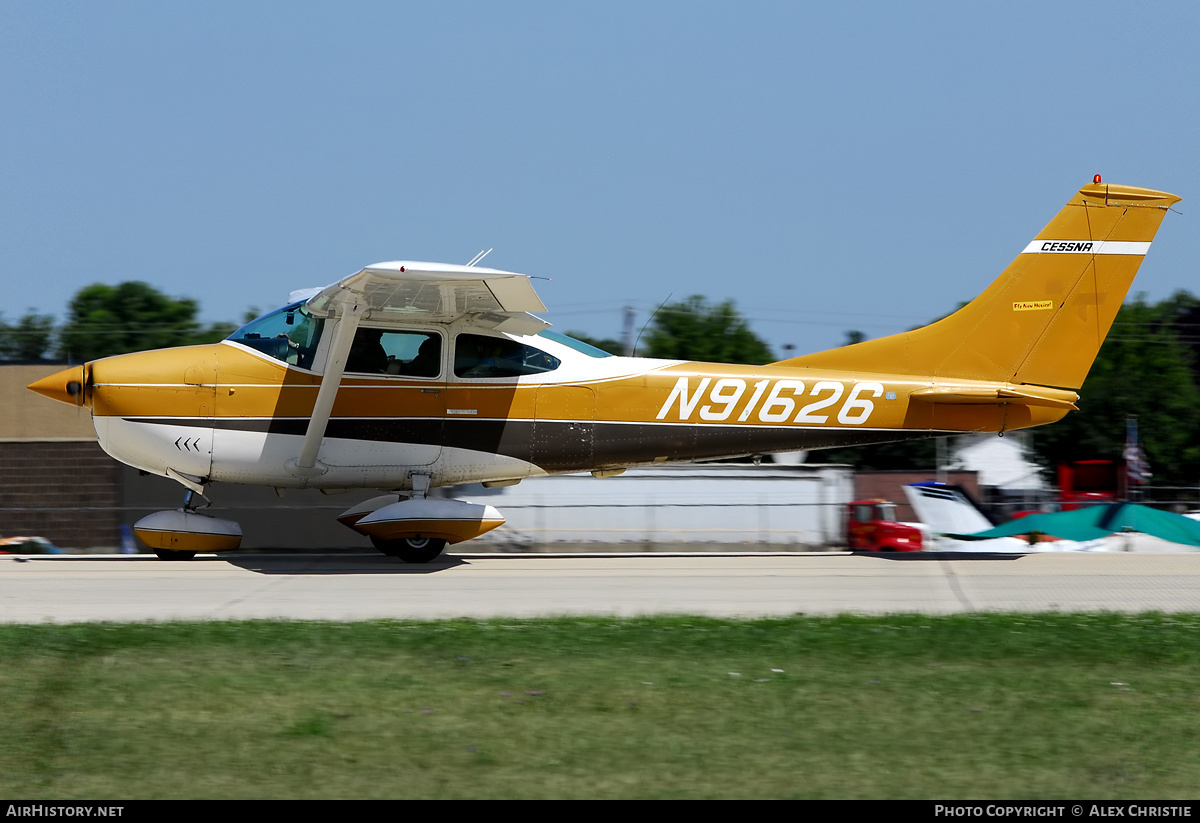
[231, 414]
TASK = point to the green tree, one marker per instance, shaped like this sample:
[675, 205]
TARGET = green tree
[103, 320]
[1145, 370]
[1182, 311]
[906, 455]
[29, 339]
[695, 330]
[216, 332]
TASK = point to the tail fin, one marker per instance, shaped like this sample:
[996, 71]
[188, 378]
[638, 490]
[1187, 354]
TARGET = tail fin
[1042, 321]
[946, 509]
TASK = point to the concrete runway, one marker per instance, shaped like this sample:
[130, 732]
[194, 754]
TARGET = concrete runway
[82, 588]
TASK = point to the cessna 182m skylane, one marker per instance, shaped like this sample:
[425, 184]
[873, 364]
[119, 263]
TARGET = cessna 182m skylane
[406, 376]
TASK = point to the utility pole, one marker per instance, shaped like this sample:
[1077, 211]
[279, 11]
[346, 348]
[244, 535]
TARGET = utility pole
[941, 459]
[627, 332]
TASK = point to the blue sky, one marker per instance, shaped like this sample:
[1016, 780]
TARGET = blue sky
[827, 166]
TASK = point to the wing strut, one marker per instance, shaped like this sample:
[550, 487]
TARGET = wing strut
[305, 464]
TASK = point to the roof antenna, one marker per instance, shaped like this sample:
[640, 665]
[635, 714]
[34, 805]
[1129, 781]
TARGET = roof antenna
[479, 257]
[652, 316]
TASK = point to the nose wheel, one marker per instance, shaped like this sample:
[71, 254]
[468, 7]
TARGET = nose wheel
[180, 534]
[411, 549]
[191, 502]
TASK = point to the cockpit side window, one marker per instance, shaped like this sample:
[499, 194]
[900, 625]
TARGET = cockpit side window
[383, 351]
[477, 355]
[289, 334]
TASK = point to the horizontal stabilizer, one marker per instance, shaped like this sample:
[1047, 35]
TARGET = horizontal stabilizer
[1022, 396]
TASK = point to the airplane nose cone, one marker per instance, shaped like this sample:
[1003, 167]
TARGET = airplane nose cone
[66, 386]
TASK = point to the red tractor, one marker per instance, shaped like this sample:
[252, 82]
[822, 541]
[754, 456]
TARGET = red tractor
[871, 526]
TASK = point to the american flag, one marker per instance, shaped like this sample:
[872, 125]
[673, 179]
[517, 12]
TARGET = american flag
[1137, 468]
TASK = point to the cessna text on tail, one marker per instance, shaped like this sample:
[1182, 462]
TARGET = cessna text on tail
[406, 376]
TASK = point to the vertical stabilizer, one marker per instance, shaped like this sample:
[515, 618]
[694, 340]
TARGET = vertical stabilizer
[1042, 321]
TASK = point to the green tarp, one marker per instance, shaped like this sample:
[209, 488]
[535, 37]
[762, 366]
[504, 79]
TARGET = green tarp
[1094, 522]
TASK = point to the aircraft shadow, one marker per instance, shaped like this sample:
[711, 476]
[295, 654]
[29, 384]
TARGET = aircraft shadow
[293, 564]
[299, 564]
[917, 557]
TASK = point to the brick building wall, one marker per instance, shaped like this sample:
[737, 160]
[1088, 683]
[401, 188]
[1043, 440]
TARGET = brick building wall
[66, 492]
[55, 481]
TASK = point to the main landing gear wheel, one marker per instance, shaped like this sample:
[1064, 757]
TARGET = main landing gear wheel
[411, 549]
[171, 554]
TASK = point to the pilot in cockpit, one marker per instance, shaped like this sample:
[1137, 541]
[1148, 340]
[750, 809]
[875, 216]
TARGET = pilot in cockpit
[367, 353]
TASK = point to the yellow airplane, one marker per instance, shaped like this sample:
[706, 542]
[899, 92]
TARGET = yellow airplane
[407, 376]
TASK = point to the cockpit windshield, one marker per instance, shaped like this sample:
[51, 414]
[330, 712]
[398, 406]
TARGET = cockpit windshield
[289, 334]
[577, 345]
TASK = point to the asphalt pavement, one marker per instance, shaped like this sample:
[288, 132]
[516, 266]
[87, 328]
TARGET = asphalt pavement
[80, 588]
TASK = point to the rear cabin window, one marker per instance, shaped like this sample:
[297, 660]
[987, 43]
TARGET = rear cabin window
[406, 353]
[289, 334]
[477, 355]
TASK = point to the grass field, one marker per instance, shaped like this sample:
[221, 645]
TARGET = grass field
[1012, 706]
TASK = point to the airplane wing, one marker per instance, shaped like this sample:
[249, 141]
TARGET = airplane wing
[437, 293]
